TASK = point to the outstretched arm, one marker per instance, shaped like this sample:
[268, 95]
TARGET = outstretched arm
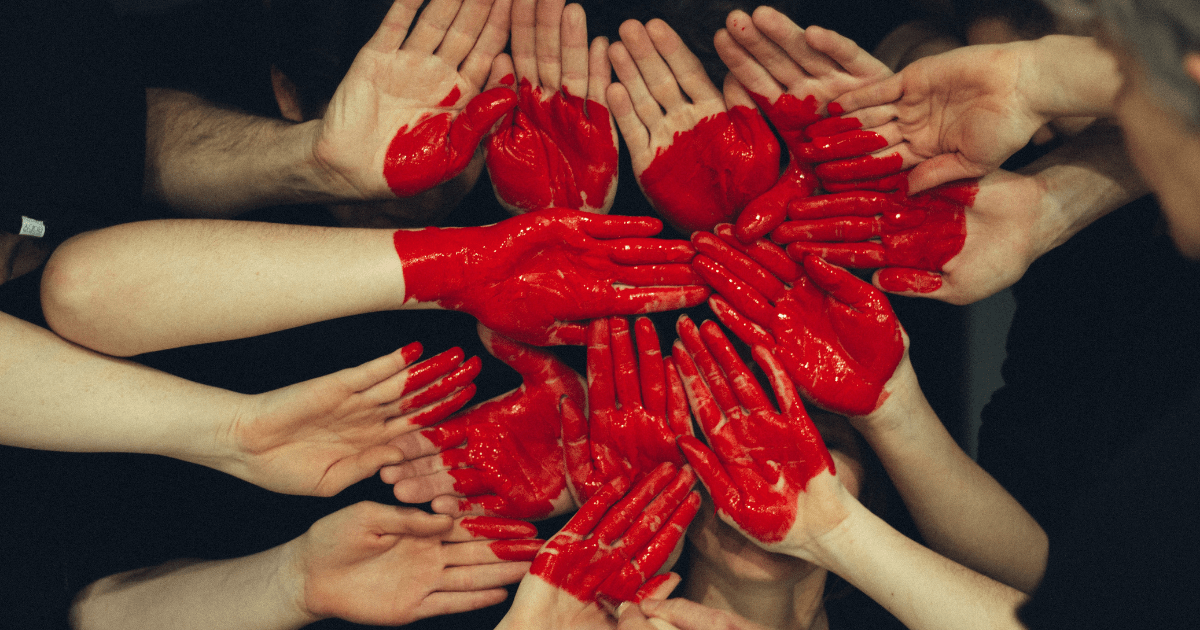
[152, 285]
[368, 563]
[407, 116]
[315, 437]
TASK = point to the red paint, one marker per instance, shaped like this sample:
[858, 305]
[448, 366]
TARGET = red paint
[497, 528]
[861, 168]
[439, 146]
[759, 458]
[451, 98]
[837, 336]
[516, 550]
[612, 545]
[539, 277]
[844, 145]
[711, 171]
[508, 80]
[505, 454]
[558, 152]
[435, 402]
[919, 234]
[790, 116]
[634, 409]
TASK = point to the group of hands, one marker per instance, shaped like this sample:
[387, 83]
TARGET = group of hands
[621, 446]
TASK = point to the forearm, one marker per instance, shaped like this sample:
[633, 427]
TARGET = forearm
[1082, 181]
[1065, 75]
[960, 510]
[924, 590]
[256, 592]
[58, 396]
[147, 286]
[208, 161]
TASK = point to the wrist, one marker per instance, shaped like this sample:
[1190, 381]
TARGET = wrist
[902, 394]
[1069, 76]
[287, 586]
[438, 263]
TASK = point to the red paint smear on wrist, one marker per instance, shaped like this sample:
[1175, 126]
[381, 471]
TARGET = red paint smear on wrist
[554, 153]
[710, 172]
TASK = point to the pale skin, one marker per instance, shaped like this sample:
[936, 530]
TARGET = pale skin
[207, 161]
[315, 437]
[367, 563]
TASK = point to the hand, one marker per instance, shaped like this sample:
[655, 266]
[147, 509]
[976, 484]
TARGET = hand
[389, 565]
[917, 234]
[535, 277]
[698, 160]
[836, 335]
[680, 614]
[408, 115]
[558, 148]
[964, 110]
[502, 457]
[636, 407]
[320, 436]
[792, 73]
[610, 549]
[768, 472]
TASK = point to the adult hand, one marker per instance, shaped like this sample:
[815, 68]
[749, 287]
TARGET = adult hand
[636, 406]
[698, 156]
[322, 435]
[836, 335]
[917, 235]
[536, 277]
[558, 148]
[610, 549]
[792, 74]
[409, 115]
[767, 470]
[966, 111]
[389, 565]
[502, 457]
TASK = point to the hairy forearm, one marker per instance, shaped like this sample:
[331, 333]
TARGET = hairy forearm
[1083, 180]
[924, 590]
[147, 286]
[208, 161]
[252, 593]
[59, 396]
[959, 509]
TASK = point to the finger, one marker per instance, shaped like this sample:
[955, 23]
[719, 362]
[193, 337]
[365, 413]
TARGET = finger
[427, 465]
[502, 73]
[656, 75]
[577, 452]
[861, 168]
[390, 34]
[432, 26]
[679, 416]
[739, 264]
[464, 31]
[650, 368]
[599, 75]
[746, 330]
[845, 287]
[629, 122]
[444, 386]
[854, 256]
[779, 45]
[641, 251]
[591, 512]
[622, 515]
[657, 514]
[574, 54]
[490, 527]
[606, 227]
[735, 94]
[657, 276]
[712, 473]
[881, 92]
[353, 469]
[844, 204]
[481, 577]
[636, 301]
[548, 44]
[431, 369]
[477, 119]
[524, 35]
[908, 281]
[745, 386]
[651, 541]
[785, 391]
[941, 169]
[706, 367]
[425, 488]
[699, 396]
[683, 64]
[489, 47]
[846, 53]
[536, 366]
[743, 66]
[481, 552]
[565, 334]
[643, 110]
[839, 230]
[401, 520]
[442, 603]
[602, 387]
[624, 364]
[432, 413]
[746, 299]
[846, 144]
[764, 252]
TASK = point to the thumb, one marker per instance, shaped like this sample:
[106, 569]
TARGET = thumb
[941, 169]
[477, 119]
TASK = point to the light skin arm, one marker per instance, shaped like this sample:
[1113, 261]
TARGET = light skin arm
[368, 563]
[316, 437]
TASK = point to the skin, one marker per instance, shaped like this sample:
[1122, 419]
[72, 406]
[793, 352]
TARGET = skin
[502, 457]
[367, 563]
[699, 156]
[561, 129]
